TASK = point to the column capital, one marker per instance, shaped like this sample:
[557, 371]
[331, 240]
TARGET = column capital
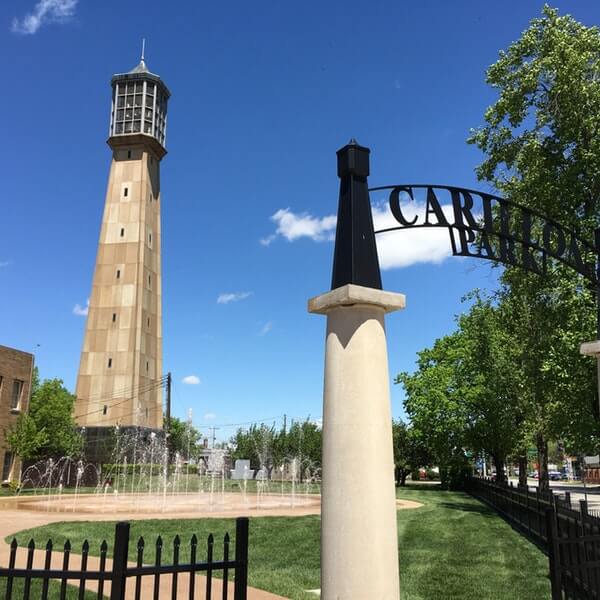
[350, 294]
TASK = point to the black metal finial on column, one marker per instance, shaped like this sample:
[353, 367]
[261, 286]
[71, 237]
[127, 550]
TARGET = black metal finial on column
[355, 257]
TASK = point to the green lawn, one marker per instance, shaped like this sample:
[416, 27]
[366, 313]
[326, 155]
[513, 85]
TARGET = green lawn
[452, 548]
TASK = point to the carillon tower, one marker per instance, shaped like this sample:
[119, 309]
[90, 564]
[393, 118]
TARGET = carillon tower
[120, 372]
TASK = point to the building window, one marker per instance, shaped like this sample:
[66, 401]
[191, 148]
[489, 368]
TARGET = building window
[8, 458]
[147, 366]
[109, 363]
[17, 392]
[150, 281]
[114, 317]
[118, 273]
[128, 156]
[150, 239]
[148, 322]
[104, 409]
[122, 231]
[125, 192]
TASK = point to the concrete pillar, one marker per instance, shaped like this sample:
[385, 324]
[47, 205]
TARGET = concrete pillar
[359, 539]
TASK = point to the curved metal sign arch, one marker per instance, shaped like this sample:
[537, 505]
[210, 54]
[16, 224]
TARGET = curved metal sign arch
[483, 225]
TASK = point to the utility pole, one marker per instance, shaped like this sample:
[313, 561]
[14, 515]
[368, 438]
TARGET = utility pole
[167, 428]
[213, 429]
[168, 416]
[284, 424]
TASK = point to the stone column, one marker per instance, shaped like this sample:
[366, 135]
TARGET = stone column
[592, 349]
[359, 539]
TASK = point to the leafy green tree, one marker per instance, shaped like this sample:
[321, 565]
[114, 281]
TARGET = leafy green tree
[437, 412]
[184, 438]
[409, 452]
[256, 444]
[304, 441]
[24, 439]
[48, 430]
[542, 149]
[488, 383]
[266, 447]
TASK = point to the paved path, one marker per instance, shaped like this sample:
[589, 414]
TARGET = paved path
[13, 520]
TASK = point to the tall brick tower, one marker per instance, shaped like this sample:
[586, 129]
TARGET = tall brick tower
[120, 372]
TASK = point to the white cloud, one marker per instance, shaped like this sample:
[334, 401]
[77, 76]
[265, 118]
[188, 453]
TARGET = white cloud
[232, 297]
[45, 11]
[266, 328]
[395, 249]
[398, 249]
[293, 226]
[82, 311]
[210, 416]
[191, 380]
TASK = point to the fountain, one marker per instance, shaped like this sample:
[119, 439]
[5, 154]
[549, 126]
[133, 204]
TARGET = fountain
[142, 476]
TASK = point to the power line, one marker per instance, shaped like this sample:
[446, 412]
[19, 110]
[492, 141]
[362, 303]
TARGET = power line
[128, 399]
[151, 387]
[119, 392]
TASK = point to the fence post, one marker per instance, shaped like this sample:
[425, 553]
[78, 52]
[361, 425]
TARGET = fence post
[583, 507]
[241, 559]
[553, 554]
[119, 568]
[568, 499]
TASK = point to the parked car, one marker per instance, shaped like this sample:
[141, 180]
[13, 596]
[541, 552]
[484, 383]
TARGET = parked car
[554, 475]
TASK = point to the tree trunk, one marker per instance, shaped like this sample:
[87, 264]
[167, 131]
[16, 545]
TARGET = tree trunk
[523, 471]
[403, 476]
[542, 448]
[499, 464]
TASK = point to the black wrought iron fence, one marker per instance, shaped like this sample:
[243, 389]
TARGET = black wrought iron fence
[570, 536]
[119, 571]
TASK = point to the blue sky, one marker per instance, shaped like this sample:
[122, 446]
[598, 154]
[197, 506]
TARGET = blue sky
[264, 93]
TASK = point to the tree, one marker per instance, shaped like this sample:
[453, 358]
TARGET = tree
[488, 383]
[24, 439]
[48, 430]
[542, 149]
[436, 409]
[266, 447]
[183, 438]
[409, 452]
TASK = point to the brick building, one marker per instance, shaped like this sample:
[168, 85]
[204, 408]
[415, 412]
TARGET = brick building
[16, 369]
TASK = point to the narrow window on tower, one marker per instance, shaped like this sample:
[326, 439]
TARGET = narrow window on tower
[109, 363]
[150, 239]
[128, 153]
[125, 192]
[148, 322]
[122, 232]
[147, 366]
[118, 273]
[114, 317]
[104, 409]
[150, 281]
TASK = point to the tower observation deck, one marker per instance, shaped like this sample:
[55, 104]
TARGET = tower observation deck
[120, 373]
